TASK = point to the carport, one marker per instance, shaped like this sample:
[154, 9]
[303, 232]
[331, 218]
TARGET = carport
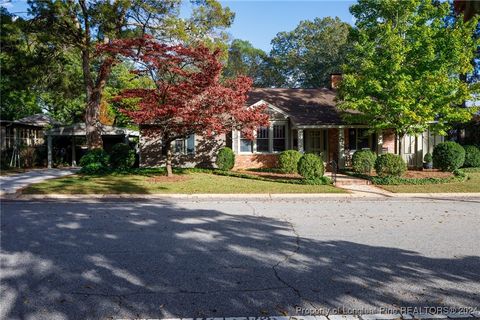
[77, 130]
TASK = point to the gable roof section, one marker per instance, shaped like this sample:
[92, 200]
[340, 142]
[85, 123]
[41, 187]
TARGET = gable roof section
[39, 119]
[304, 106]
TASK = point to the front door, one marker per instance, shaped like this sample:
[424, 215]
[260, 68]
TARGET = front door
[316, 142]
[410, 151]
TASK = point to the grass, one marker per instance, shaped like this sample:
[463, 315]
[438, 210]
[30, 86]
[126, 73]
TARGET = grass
[191, 183]
[471, 184]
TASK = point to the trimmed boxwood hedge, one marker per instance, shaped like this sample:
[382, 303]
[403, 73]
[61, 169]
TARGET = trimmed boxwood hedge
[225, 159]
[472, 157]
[310, 167]
[390, 165]
[363, 161]
[288, 161]
[448, 156]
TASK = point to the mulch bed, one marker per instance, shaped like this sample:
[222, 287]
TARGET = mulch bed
[272, 175]
[420, 174]
[174, 178]
[427, 174]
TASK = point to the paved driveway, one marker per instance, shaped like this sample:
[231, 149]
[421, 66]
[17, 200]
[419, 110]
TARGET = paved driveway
[12, 183]
[179, 258]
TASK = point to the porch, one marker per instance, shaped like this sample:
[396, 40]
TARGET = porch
[332, 143]
[339, 143]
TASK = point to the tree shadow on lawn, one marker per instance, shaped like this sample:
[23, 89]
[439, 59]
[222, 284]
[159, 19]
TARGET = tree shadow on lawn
[134, 259]
[94, 185]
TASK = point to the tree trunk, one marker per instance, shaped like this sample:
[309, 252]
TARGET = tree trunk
[92, 125]
[94, 96]
[167, 153]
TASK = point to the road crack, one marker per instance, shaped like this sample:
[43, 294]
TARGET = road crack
[285, 260]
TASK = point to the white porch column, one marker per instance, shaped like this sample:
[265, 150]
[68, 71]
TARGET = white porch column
[74, 155]
[341, 148]
[379, 142]
[49, 151]
[300, 140]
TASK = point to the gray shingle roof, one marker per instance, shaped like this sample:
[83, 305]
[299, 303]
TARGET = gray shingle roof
[304, 106]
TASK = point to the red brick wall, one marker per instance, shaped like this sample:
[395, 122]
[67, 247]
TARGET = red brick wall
[332, 145]
[389, 140]
[256, 161]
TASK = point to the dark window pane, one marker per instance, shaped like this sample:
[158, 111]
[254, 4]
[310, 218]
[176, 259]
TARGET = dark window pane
[278, 137]
[278, 131]
[179, 146]
[191, 144]
[363, 138]
[374, 139]
[262, 145]
[262, 133]
[352, 139]
[278, 144]
[262, 139]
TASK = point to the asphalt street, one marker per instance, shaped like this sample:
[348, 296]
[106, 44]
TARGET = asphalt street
[183, 258]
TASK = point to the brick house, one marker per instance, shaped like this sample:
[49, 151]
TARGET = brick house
[306, 120]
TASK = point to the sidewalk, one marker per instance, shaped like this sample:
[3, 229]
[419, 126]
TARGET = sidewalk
[11, 184]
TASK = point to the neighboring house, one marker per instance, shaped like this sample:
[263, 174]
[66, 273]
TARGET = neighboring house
[69, 142]
[306, 120]
[27, 131]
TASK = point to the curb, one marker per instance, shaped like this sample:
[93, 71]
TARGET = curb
[381, 316]
[266, 196]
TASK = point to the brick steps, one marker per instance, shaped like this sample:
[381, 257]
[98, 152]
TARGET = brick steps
[344, 180]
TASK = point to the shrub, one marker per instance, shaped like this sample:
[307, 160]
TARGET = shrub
[122, 156]
[311, 167]
[472, 156]
[448, 156]
[390, 165]
[428, 157]
[363, 161]
[225, 159]
[94, 161]
[94, 168]
[288, 161]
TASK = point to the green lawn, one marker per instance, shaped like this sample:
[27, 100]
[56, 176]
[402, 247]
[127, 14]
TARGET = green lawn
[189, 183]
[472, 184]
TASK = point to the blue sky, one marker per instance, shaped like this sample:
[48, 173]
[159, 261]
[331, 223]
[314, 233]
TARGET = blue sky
[259, 21]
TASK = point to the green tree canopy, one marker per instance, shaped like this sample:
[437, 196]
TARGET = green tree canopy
[35, 78]
[404, 69]
[245, 59]
[307, 56]
[78, 26]
[18, 68]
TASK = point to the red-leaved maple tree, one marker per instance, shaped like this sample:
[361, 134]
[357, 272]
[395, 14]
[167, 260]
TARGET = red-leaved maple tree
[188, 96]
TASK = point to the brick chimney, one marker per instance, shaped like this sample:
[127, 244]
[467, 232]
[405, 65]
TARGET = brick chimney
[335, 79]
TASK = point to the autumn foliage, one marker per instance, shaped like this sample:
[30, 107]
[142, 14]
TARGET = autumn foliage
[187, 96]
